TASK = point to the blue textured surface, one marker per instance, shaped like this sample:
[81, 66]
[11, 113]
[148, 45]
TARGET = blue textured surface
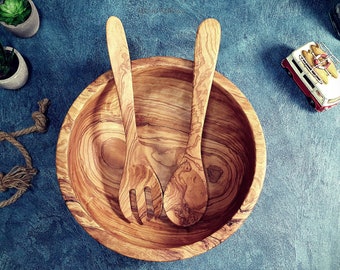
[295, 224]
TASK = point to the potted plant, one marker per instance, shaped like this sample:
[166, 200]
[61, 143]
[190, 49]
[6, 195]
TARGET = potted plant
[21, 17]
[13, 68]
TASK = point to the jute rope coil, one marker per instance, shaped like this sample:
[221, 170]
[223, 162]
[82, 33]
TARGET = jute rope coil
[19, 177]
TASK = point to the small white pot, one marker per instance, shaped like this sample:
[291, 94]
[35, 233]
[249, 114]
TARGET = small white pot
[20, 77]
[29, 27]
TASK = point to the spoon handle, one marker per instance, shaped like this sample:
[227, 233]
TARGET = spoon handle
[121, 67]
[206, 52]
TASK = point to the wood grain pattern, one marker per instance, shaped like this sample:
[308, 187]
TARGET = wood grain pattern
[186, 195]
[140, 193]
[91, 153]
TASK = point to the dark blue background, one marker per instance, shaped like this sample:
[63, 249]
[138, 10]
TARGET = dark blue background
[295, 224]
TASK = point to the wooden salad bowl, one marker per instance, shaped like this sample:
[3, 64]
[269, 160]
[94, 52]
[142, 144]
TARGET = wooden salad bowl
[91, 151]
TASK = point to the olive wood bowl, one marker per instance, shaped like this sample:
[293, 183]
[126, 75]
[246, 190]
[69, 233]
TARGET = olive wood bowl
[91, 151]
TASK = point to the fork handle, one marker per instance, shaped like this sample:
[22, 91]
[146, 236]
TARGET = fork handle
[121, 68]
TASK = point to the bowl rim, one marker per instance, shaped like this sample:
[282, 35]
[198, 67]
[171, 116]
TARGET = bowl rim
[171, 253]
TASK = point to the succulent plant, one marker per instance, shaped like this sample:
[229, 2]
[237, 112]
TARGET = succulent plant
[8, 62]
[14, 12]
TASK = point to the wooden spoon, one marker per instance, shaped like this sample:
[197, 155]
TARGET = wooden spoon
[140, 192]
[186, 195]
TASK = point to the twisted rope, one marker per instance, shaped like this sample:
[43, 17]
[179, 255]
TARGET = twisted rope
[20, 177]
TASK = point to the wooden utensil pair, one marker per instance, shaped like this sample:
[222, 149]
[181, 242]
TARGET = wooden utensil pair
[140, 193]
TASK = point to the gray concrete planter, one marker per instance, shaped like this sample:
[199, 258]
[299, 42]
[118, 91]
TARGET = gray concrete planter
[20, 77]
[28, 28]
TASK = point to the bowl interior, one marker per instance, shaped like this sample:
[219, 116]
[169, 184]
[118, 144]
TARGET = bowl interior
[91, 152]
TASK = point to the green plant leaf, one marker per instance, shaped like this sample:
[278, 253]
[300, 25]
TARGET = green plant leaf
[6, 61]
[14, 12]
